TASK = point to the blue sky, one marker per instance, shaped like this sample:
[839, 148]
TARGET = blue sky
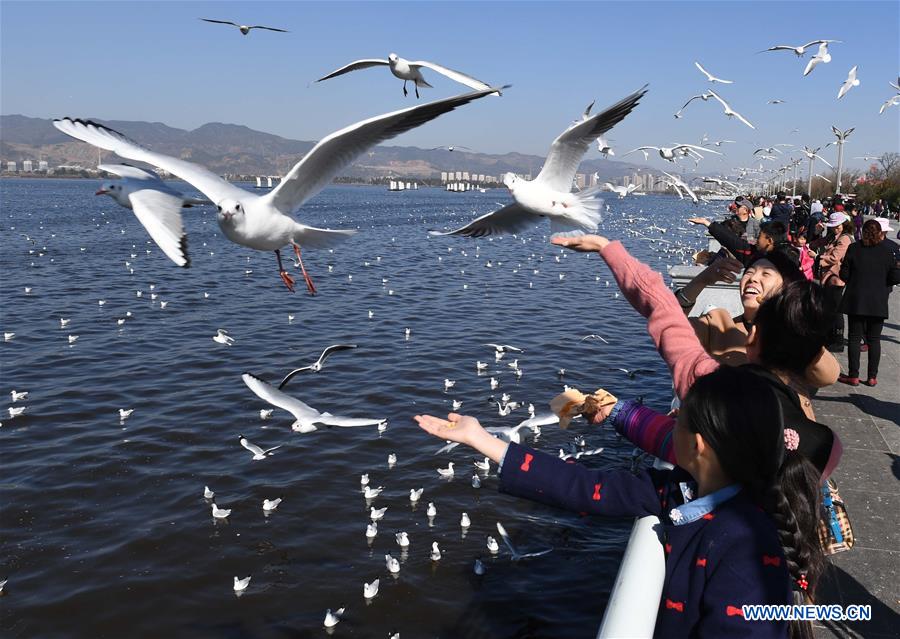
[157, 61]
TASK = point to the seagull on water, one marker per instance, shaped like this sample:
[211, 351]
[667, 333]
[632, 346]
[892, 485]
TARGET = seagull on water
[822, 56]
[393, 565]
[243, 28]
[155, 204]
[263, 222]
[446, 472]
[222, 337]
[125, 414]
[370, 590]
[271, 504]
[415, 494]
[632, 373]
[316, 366]
[305, 417]
[849, 83]
[476, 481]
[431, 511]
[371, 530]
[364, 480]
[377, 513]
[16, 411]
[435, 552]
[410, 71]
[710, 76]
[220, 513]
[266, 413]
[258, 453]
[549, 194]
[516, 555]
[18, 395]
[333, 618]
[492, 545]
[464, 521]
[240, 585]
[372, 493]
[207, 493]
[731, 113]
[402, 539]
[483, 465]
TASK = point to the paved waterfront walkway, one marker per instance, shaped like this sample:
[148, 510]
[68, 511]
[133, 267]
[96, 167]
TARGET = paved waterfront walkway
[868, 422]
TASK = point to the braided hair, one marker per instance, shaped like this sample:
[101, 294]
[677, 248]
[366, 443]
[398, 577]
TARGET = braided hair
[738, 414]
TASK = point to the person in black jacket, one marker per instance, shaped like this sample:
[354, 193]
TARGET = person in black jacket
[782, 210]
[772, 237]
[869, 270]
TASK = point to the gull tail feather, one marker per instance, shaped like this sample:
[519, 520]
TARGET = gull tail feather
[420, 82]
[584, 217]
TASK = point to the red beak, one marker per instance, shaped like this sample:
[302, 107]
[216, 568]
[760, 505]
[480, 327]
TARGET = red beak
[101, 192]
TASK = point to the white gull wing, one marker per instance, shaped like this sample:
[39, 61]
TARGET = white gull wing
[516, 555]
[135, 173]
[272, 395]
[356, 66]
[569, 148]
[540, 420]
[710, 76]
[312, 237]
[160, 213]
[204, 180]
[347, 422]
[338, 150]
[512, 218]
[848, 84]
[456, 76]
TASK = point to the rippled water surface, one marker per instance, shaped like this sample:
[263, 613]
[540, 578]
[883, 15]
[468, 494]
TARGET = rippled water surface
[104, 529]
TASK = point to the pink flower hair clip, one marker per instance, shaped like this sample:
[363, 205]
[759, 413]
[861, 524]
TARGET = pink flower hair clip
[791, 439]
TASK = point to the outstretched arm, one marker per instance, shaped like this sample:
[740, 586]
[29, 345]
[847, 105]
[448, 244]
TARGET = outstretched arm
[644, 288]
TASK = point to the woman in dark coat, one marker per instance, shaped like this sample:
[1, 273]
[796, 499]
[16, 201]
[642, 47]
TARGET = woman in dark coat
[869, 270]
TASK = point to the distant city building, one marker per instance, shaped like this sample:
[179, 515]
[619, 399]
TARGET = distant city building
[595, 179]
[11, 167]
[26, 166]
[443, 177]
[580, 180]
[43, 165]
[481, 177]
[465, 175]
[459, 175]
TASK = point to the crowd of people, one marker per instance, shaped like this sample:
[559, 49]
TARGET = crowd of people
[746, 505]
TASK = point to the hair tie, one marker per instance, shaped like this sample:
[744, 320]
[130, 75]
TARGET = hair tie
[801, 581]
[791, 439]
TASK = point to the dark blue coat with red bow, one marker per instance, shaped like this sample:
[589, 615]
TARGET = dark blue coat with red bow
[728, 558]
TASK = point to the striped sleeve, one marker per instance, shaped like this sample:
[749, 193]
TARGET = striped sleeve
[645, 428]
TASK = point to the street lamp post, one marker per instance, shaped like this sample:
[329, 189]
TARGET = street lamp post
[841, 136]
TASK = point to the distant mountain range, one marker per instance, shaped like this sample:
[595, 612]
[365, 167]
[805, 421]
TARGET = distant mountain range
[238, 150]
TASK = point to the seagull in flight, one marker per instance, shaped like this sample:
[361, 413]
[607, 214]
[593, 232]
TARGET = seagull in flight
[633, 372]
[822, 56]
[513, 551]
[258, 453]
[703, 96]
[316, 366]
[731, 113]
[505, 348]
[799, 51]
[710, 76]
[305, 417]
[677, 183]
[671, 153]
[549, 194]
[894, 101]
[263, 222]
[849, 83]
[594, 336]
[156, 205]
[409, 71]
[621, 191]
[243, 28]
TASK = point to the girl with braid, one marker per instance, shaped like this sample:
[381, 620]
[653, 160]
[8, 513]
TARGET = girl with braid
[738, 511]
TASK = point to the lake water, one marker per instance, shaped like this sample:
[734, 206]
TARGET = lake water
[104, 529]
